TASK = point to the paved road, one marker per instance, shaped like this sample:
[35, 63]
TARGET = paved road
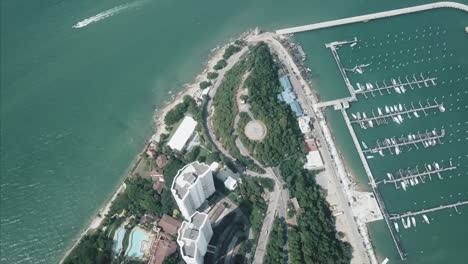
[307, 101]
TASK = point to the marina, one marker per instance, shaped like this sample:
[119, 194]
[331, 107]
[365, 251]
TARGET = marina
[404, 112]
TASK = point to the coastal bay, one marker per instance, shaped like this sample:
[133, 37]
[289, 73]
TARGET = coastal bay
[77, 104]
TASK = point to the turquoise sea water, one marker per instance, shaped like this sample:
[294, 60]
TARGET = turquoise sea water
[399, 47]
[77, 104]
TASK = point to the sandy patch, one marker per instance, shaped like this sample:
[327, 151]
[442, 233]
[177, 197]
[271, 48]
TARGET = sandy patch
[255, 130]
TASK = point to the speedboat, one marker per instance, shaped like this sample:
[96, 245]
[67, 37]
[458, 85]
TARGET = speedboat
[387, 110]
[400, 107]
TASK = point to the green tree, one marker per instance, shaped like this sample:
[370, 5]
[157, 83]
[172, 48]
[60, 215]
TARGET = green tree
[212, 75]
[205, 84]
[220, 64]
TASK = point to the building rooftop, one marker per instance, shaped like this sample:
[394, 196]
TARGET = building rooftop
[190, 232]
[284, 80]
[310, 145]
[169, 224]
[187, 176]
[183, 133]
[161, 160]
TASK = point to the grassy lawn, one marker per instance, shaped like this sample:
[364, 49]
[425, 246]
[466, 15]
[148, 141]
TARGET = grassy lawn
[143, 169]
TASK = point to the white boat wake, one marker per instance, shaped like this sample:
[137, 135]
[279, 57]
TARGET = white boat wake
[106, 14]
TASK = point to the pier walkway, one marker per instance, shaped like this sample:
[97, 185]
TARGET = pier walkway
[398, 84]
[391, 115]
[378, 197]
[398, 216]
[403, 141]
[422, 174]
[368, 17]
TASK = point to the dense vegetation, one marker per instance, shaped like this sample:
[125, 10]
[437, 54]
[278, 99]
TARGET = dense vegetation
[220, 64]
[315, 240]
[275, 253]
[178, 112]
[212, 75]
[92, 249]
[230, 50]
[225, 105]
[252, 203]
[205, 84]
[284, 138]
[139, 198]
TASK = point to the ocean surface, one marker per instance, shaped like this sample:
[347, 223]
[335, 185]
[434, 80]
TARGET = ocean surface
[411, 46]
[77, 103]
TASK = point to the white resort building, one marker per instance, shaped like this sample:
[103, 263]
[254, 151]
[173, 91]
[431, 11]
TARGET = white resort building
[184, 134]
[193, 238]
[192, 185]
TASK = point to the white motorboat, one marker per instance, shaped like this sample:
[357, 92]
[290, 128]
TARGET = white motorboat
[380, 111]
[387, 110]
[413, 221]
[403, 185]
[404, 223]
[364, 144]
[354, 116]
[426, 219]
[369, 157]
[416, 114]
[396, 226]
[400, 107]
[397, 90]
[437, 165]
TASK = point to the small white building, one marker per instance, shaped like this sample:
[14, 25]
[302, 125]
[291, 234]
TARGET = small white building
[314, 160]
[228, 177]
[183, 134]
[193, 238]
[192, 185]
[304, 124]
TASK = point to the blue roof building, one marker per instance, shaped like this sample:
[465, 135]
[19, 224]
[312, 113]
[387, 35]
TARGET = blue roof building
[286, 83]
[288, 96]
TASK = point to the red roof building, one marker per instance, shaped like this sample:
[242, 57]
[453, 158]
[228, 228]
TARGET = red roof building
[158, 186]
[161, 248]
[161, 160]
[169, 224]
[151, 153]
[157, 175]
[310, 145]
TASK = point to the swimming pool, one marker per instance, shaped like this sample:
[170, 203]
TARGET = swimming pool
[138, 243]
[118, 240]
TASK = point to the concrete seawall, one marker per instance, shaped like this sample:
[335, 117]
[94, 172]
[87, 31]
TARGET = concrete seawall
[373, 16]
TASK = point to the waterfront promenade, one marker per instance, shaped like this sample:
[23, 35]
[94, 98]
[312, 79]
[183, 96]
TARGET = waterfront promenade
[368, 17]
